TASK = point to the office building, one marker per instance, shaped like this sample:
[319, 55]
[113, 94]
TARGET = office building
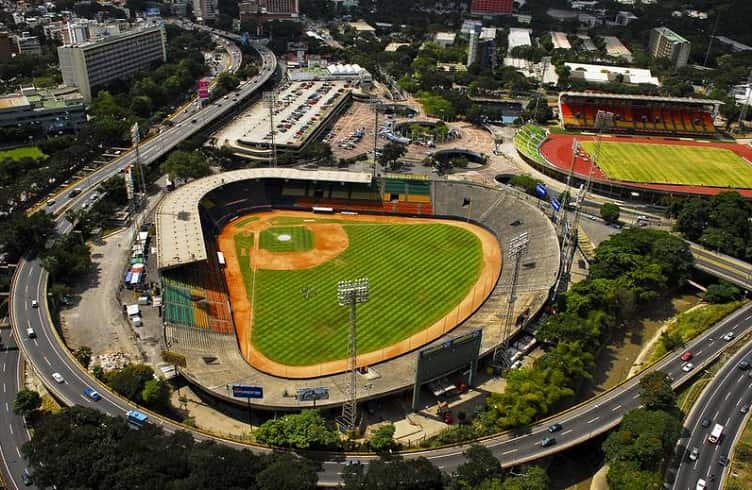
[490, 8]
[28, 44]
[265, 10]
[472, 45]
[49, 111]
[665, 43]
[93, 64]
[205, 10]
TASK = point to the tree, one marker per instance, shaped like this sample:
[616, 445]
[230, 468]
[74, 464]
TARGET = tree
[83, 355]
[391, 152]
[131, 380]
[185, 165]
[656, 392]
[534, 478]
[156, 394]
[306, 430]
[610, 212]
[26, 402]
[383, 439]
[627, 475]
[645, 437]
[68, 260]
[723, 292]
[287, 473]
[480, 466]
[394, 473]
[26, 236]
[538, 111]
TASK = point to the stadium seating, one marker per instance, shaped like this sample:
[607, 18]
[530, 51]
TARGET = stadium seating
[632, 115]
[527, 140]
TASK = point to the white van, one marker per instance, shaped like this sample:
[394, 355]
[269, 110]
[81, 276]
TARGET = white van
[31, 333]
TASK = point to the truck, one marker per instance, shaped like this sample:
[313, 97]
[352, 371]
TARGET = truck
[715, 434]
[137, 418]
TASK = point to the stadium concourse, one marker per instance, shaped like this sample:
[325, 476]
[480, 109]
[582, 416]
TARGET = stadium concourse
[196, 305]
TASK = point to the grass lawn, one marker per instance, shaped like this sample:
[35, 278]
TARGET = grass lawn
[245, 221]
[22, 152]
[300, 239]
[672, 164]
[417, 273]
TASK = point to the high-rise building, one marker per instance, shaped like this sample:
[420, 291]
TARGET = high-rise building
[206, 9]
[46, 111]
[472, 45]
[665, 43]
[267, 9]
[91, 64]
[28, 44]
[491, 7]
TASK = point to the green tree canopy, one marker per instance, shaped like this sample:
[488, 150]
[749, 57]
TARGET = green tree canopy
[185, 165]
[26, 402]
[610, 212]
[305, 430]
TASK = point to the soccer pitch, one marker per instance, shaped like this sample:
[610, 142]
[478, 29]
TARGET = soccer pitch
[417, 274]
[672, 164]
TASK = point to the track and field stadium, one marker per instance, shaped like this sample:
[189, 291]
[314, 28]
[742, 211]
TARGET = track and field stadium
[249, 263]
[639, 167]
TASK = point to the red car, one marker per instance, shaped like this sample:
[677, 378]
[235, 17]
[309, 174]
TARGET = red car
[686, 356]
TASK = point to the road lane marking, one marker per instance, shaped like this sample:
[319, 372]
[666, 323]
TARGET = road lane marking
[728, 395]
[592, 420]
[566, 432]
[47, 361]
[18, 451]
[740, 378]
[4, 387]
[699, 352]
[716, 414]
[3, 366]
[617, 407]
[509, 452]
[635, 397]
[7, 408]
[738, 402]
[36, 343]
[10, 426]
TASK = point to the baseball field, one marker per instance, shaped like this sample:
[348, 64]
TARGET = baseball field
[672, 164]
[425, 277]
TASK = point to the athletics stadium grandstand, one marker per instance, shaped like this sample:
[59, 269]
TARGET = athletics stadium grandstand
[639, 114]
[188, 218]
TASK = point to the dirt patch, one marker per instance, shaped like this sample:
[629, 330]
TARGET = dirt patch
[330, 240]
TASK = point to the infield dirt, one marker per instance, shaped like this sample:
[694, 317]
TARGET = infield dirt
[330, 240]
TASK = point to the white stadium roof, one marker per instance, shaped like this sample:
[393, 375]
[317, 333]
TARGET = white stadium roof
[180, 239]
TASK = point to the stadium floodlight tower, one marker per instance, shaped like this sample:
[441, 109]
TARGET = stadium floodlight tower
[517, 249]
[270, 98]
[352, 293]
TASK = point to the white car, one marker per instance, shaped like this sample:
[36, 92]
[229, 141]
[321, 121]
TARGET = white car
[701, 484]
[58, 377]
[694, 454]
[34, 303]
[729, 337]
[687, 367]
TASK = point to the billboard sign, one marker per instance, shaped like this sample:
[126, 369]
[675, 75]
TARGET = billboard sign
[313, 394]
[152, 12]
[246, 391]
[203, 89]
[540, 190]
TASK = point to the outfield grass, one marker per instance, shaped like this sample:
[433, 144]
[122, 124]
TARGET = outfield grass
[301, 239]
[22, 152]
[417, 274]
[245, 221]
[672, 164]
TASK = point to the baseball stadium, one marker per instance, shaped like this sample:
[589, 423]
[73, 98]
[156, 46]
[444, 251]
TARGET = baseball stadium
[649, 148]
[250, 260]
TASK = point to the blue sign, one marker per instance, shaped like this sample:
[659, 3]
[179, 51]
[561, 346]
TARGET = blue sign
[540, 190]
[245, 391]
[555, 204]
[152, 12]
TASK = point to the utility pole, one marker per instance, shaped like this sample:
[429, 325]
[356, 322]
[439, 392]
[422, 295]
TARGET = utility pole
[375, 104]
[271, 99]
[136, 140]
[352, 293]
[518, 247]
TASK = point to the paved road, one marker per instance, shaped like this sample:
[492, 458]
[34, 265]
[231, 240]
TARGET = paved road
[720, 402]
[45, 352]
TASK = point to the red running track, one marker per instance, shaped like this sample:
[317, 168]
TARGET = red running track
[557, 149]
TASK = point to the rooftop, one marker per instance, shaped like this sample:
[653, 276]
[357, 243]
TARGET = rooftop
[519, 37]
[652, 98]
[560, 40]
[180, 239]
[671, 35]
[603, 73]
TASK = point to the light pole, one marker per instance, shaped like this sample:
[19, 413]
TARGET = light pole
[517, 249]
[352, 293]
[271, 98]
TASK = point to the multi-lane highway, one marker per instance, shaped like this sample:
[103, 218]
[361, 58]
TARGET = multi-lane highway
[45, 352]
[724, 401]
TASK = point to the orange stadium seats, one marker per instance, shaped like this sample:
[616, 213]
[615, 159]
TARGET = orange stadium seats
[642, 115]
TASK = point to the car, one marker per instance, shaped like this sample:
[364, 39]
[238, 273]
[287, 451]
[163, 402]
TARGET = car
[723, 460]
[34, 303]
[58, 377]
[706, 423]
[729, 336]
[694, 454]
[554, 428]
[743, 365]
[687, 356]
[687, 367]
[51, 202]
[193, 121]
[26, 477]
[548, 441]
[744, 409]
[92, 393]
[701, 484]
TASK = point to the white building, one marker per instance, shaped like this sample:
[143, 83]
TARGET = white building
[444, 39]
[606, 73]
[518, 36]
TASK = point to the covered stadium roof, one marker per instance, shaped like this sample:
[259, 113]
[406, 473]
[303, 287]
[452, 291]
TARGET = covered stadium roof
[180, 239]
[648, 98]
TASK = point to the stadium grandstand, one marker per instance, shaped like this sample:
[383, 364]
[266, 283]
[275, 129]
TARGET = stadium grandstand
[528, 139]
[639, 114]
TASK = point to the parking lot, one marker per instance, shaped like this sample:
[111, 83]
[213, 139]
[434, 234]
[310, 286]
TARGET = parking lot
[343, 136]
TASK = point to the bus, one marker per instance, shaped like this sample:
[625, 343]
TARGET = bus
[137, 418]
[715, 435]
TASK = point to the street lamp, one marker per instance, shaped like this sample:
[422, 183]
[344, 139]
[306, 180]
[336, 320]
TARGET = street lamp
[517, 249]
